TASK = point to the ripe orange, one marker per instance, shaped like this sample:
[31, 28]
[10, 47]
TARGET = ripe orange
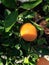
[28, 32]
[42, 61]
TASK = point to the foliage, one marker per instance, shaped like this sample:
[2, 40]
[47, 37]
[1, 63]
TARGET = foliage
[32, 4]
[13, 49]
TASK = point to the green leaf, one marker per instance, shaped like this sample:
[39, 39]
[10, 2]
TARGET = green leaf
[27, 14]
[47, 1]
[31, 63]
[26, 60]
[1, 63]
[46, 9]
[9, 3]
[7, 12]
[1, 26]
[47, 19]
[42, 50]
[10, 20]
[30, 5]
[39, 28]
[41, 41]
[1, 22]
[17, 46]
[34, 57]
[48, 24]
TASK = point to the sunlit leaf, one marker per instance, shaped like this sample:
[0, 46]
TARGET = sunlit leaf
[30, 5]
[1, 63]
[26, 60]
[27, 14]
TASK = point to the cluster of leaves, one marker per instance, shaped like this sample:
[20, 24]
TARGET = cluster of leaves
[13, 49]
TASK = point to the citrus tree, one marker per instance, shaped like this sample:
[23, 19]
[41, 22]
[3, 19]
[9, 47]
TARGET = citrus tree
[24, 32]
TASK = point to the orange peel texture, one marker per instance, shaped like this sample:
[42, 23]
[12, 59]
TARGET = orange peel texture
[42, 61]
[28, 32]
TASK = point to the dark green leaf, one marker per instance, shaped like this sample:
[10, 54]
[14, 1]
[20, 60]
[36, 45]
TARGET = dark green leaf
[9, 3]
[7, 12]
[48, 24]
[41, 41]
[30, 5]
[47, 1]
[1, 26]
[46, 9]
[10, 20]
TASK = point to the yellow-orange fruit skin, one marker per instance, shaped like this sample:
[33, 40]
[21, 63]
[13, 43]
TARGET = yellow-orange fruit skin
[42, 61]
[28, 32]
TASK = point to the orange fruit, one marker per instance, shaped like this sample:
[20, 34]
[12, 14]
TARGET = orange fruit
[42, 61]
[28, 32]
